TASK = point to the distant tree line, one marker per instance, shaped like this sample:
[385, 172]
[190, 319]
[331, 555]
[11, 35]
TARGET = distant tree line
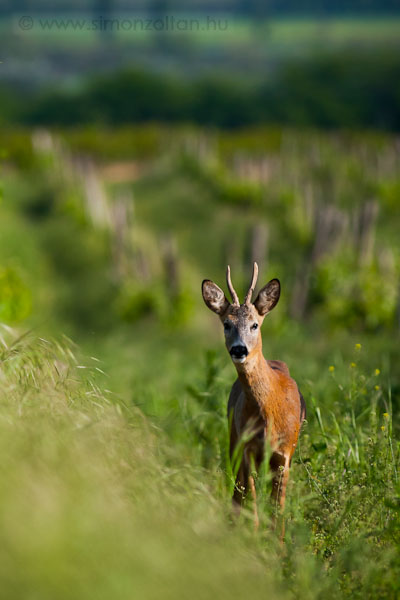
[330, 91]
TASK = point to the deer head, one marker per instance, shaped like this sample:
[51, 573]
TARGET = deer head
[242, 322]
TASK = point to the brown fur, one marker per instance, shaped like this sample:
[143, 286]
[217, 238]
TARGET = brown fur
[265, 397]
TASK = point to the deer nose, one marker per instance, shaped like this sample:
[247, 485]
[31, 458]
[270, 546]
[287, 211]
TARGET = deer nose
[238, 351]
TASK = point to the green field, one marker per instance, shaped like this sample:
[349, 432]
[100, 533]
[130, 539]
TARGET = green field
[115, 480]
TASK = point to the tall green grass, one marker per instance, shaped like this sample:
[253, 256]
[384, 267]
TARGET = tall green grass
[97, 502]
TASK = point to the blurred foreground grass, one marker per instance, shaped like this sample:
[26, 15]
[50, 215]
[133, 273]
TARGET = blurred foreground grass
[94, 501]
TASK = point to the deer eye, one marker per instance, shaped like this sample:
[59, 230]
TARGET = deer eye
[254, 326]
[227, 325]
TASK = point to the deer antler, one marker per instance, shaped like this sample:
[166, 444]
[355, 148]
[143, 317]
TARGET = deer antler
[234, 295]
[249, 294]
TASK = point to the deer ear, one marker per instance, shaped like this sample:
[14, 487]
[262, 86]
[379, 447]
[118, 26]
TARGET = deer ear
[268, 297]
[214, 297]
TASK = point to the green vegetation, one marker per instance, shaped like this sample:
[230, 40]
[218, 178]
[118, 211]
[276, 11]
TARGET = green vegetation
[106, 235]
[96, 501]
[331, 90]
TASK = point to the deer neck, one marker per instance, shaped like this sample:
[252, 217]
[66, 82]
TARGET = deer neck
[255, 376]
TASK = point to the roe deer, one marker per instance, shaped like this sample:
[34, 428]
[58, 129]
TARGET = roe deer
[265, 403]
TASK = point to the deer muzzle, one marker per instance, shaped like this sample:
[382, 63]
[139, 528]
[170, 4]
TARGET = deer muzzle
[238, 353]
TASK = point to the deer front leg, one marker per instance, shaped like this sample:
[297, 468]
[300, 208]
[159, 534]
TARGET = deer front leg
[254, 496]
[280, 475]
[279, 465]
[239, 491]
[244, 481]
[240, 488]
[251, 468]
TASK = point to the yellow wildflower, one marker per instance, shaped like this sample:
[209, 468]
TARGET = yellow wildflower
[353, 365]
[331, 368]
[377, 387]
[383, 428]
[358, 346]
[377, 372]
[386, 415]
